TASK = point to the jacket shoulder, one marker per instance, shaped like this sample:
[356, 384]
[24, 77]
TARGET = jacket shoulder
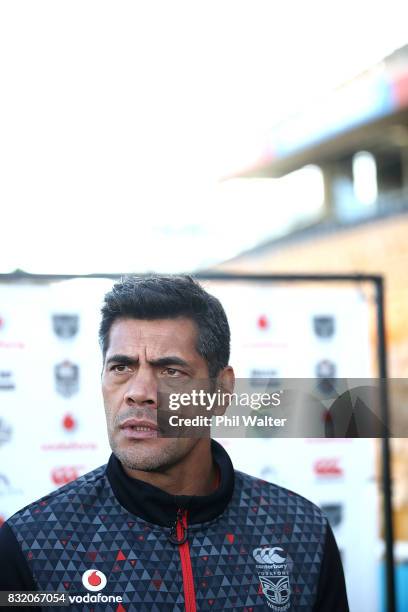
[76, 495]
[256, 490]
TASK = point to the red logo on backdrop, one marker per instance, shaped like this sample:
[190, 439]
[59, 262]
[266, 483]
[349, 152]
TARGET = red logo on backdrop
[328, 467]
[2, 520]
[263, 322]
[69, 423]
[64, 474]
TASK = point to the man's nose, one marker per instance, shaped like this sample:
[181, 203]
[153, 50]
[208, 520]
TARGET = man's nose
[142, 389]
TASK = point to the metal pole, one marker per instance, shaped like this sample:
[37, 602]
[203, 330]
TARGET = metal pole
[386, 454]
[201, 275]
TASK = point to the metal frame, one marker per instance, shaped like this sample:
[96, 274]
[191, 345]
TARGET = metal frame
[378, 283]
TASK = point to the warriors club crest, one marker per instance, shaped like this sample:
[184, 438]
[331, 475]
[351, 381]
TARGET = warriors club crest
[276, 590]
[66, 378]
[324, 326]
[65, 325]
[273, 572]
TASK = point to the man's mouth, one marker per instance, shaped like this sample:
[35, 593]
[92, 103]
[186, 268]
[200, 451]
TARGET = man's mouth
[136, 428]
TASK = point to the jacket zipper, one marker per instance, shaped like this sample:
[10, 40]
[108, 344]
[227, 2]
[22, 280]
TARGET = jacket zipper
[184, 550]
[178, 535]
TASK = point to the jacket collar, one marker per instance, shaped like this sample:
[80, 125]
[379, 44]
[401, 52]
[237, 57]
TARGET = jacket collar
[156, 506]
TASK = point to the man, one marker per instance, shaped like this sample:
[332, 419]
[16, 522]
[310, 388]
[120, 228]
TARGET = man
[168, 524]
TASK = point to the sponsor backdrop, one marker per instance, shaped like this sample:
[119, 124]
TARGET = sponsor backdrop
[52, 425]
[299, 331]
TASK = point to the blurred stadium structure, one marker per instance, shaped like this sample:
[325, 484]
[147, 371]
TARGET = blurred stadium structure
[357, 136]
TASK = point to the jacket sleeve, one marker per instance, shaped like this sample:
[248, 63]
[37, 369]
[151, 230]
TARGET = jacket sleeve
[331, 590]
[15, 575]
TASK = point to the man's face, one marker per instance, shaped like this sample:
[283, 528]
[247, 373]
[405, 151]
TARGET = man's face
[144, 356]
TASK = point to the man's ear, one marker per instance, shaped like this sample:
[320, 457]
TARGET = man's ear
[225, 384]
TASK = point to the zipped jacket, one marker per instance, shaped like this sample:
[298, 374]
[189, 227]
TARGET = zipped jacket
[110, 542]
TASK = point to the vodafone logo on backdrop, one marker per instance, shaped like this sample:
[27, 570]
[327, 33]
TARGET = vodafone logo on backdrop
[329, 467]
[262, 322]
[94, 580]
[69, 423]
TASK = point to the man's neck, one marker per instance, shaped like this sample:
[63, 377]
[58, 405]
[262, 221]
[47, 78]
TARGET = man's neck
[195, 474]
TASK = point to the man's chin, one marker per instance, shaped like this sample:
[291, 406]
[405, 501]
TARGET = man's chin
[149, 454]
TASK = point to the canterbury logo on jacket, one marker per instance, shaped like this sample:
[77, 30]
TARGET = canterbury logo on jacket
[250, 545]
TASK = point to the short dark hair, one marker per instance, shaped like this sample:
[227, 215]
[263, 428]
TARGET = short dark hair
[169, 297]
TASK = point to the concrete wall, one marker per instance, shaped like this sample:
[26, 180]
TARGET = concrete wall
[379, 247]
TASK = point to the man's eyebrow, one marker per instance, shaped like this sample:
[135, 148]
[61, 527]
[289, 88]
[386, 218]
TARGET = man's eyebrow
[160, 362]
[123, 359]
[169, 360]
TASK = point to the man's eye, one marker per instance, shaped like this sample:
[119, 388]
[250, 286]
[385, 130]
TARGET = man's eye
[172, 372]
[120, 369]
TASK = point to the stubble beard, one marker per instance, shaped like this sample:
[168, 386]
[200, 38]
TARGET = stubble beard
[151, 455]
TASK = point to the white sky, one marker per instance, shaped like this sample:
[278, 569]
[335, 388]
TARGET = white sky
[117, 120]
